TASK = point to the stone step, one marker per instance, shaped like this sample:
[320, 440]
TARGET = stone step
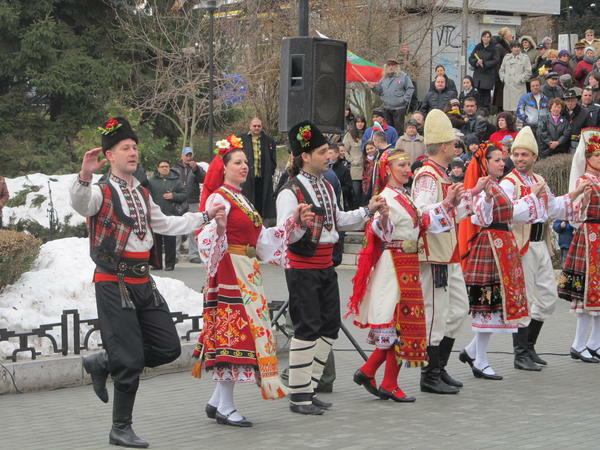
[354, 237]
[349, 259]
[352, 248]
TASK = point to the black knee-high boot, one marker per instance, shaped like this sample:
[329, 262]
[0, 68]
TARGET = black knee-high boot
[121, 433]
[535, 326]
[523, 360]
[431, 380]
[445, 349]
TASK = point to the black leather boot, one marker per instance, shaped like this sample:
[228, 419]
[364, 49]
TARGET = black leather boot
[523, 360]
[445, 349]
[97, 366]
[535, 327]
[121, 433]
[431, 380]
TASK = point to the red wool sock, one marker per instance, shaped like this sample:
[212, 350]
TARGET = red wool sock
[375, 360]
[392, 369]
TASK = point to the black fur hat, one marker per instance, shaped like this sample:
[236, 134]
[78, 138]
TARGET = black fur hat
[305, 137]
[114, 131]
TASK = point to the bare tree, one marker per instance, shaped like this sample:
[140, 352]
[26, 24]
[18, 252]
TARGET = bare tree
[169, 47]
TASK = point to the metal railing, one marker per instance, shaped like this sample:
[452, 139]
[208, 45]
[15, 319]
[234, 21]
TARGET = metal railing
[68, 333]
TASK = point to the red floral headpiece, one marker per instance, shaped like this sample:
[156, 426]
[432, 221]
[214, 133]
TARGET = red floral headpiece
[304, 135]
[111, 126]
[224, 146]
[592, 146]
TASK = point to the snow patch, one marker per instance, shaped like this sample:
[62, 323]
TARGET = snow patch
[61, 278]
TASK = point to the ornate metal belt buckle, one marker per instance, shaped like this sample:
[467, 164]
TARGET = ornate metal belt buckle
[409, 246]
[250, 251]
[140, 269]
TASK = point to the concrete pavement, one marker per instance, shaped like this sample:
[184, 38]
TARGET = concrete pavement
[557, 408]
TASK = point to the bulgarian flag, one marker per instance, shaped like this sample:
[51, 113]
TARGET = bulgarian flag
[358, 69]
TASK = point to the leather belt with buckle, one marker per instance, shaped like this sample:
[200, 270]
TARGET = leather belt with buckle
[405, 246]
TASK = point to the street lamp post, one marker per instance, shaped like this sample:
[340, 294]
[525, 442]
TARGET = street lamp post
[211, 6]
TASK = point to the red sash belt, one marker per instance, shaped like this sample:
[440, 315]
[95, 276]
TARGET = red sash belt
[322, 258]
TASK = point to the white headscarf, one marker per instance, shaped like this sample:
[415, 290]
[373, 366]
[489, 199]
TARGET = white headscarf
[579, 163]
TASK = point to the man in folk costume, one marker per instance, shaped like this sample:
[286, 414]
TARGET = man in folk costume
[444, 291]
[535, 243]
[135, 324]
[310, 275]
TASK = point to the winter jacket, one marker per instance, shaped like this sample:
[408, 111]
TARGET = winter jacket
[497, 137]
[552, 92]
[502, 48]
[581, 71]
[531, 53]
[573, 63]
[484, 77]
[565, 235]
[3, 194]
[412, 147]
[395, 92]
[476, 125]
[456, 119]
[529, 111]
[355, 156]
[593, 116]
[514, 73]
[391, 135]
[190, 180]
[159, 186]
[437, 100]
[548, 131]
[595, 43]
[343, 174]
[578, 119]
[561, 68]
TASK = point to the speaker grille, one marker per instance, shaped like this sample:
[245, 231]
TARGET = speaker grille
[329, 85]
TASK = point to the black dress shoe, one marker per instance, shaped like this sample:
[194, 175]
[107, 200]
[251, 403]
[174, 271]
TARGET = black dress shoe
[486, 376]
[155, 268]
[387, 395]
[211, 411]
[464, 357]
[535, 357]
[320, 403]
[169, 268]
[225, 420]
[306, 409]
[594, 353]
[367, 382]
[196, 260]
[577, 355]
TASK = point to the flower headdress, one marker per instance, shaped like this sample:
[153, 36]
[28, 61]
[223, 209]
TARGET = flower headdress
[304, 135]
[384, 160]
[111, 126]
[215, 175]
[592, 145]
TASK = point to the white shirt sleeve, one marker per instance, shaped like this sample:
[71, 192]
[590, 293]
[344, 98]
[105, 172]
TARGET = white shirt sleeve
[286, 204]
[85, 199]
[482, 210]
[211, 246]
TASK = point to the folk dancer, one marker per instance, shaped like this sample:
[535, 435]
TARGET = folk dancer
[236, 343]
[314, 299]
[135, 324]
[579, 282]
[444, 290]
[490, 258]
[536, 243]
[387, 296]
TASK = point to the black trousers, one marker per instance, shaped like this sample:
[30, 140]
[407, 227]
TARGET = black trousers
[168, 245]
[314, 303]
[134, 338]
[395, 118]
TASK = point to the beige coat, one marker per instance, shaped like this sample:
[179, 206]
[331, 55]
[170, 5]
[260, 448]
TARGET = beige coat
[355, 156]
[413, 148]
[515, 71]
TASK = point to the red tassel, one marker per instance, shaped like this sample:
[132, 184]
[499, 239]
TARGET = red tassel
[367, 259]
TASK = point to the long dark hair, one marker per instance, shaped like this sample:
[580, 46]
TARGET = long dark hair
[509, 119]
[296, 166]
[355, 132]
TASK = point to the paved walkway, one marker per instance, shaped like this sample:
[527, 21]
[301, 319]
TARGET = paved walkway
[557, 408]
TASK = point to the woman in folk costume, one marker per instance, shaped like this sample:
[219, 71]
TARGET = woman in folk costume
[490, 258]
[580, 280]
[394, 312]
[236, 343]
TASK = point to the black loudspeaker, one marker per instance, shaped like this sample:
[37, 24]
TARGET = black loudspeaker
[313, 83]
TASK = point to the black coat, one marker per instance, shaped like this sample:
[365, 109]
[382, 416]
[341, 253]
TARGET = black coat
[578, 119]
[450, 84]
[437, 100]
[343, 173]
[485, 77]
[159, 186]
[268, 163]
[190, 180]
[548, 132]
